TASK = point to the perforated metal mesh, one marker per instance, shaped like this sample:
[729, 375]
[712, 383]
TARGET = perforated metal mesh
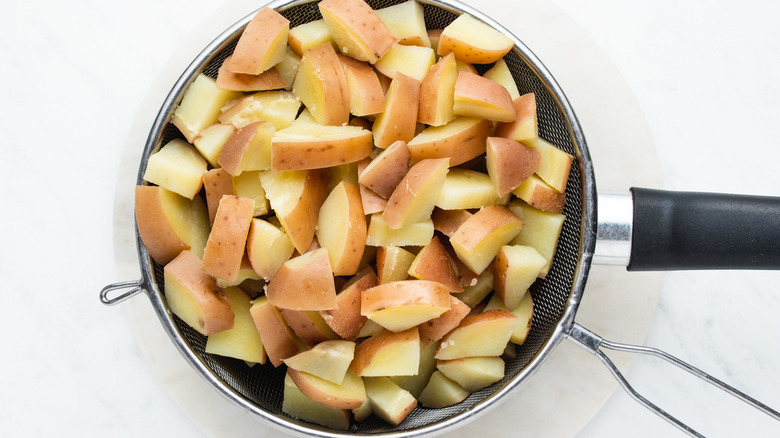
[263, 385]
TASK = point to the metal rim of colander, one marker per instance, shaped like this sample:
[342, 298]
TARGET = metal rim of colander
[587, 238]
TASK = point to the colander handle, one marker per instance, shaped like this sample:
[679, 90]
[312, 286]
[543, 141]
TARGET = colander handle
[660, 230]
[106, 293]
[593, 344]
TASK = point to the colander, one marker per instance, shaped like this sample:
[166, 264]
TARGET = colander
[644, 229]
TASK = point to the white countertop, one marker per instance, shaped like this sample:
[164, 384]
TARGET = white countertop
[78, 74]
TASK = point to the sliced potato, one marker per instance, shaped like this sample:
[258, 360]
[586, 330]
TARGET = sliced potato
[479, 239]
[304, 283]
[460, 140]
[473, 41]
[399, 119]
[307, 35]
[242, 341]
[349, 394]
[322, 86]
[200, 106]
[407, 22]
[413, 61]
[541, 195]
[441, 391]
[473, 373]
[478, 96]
[389, 401]
[401, 305]
[414, 234]
[357, 29]
[297, 405]
[416, 195]
[194, 296]
[483, 334]
[279, 107]
[388, 354]
[315, 146]
[341, 228]
[178, 167]
[437, 92]
[226, 244]
[345, 319]
[262, 43]
[327, 360]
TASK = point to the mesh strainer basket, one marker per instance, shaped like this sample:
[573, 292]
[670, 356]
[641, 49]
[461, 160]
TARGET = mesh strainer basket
[556, 298]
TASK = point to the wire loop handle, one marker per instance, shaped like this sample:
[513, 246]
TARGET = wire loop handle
[136, 287]
[593, 343]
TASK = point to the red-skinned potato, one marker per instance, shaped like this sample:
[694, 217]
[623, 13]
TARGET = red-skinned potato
[437, 92]
[346, 319]
[278, 340]
[262, 43]
[169, 223]
[383, 174]
[322, 86]
[249, 148]
[216, 183]
[399, 119]
[524, 127]
[307, 35]
[314, 146]
[434, 264]
[296, 197]
[473, 41]
[460, 140]
[357, 29]
[483, 334]
[414, 198]
[193, 295]
[509, 163]
[304, 283]
[388, 354]
[477, 96]
[298, 405]
[227, 240]
[270, 79]
[350, 394]
[400, 305]
[478, 240]
[541, 195]
[366, 96]
[407, 21]
[433, 330]
[341, 228]
[178, 167]
[308, 325]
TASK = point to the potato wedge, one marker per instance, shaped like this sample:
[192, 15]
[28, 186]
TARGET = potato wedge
[401, 305]
[247, 185]
[389, 401]
[460, 140]
[465, 189]
[479, 239]
[473, 373]
[437, 92]
[366, 96]
[349, 394]
[473, 41]
[357, 29]
[193, 295]
[441, 391]
[477, 96]
[524, 128]
[509, 163]
[278, 107]
[200, 106]
[226, 244]
[315, 146]
[414, 234]
[388, 354]
[407, 22]
[298, 405]
[278, 340]
[515, 269]
[262, 43]
[383, 174]
[327, 360]
[541, 195]
[416, 195]
[433, 330]
[341, 228]
[413, 61]
[307, 35]
[242, 341]
[307, 325]
[267, 248]
[296, 196]
[346, 319]
[322, 86]
[249, 148]
[270, 79]
[541, 231]
[483, 334]
[399, 119]
[433, 263]
[392, 263]
[169, 223]
[415, 383]
[304, 283]
[554, 164]
[500, 73]
[211, 141]
[178, 167]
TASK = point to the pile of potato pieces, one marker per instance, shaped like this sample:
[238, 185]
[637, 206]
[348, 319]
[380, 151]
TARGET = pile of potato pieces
[347, 195]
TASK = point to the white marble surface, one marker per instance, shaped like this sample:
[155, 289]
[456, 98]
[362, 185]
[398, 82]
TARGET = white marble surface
[78, 75]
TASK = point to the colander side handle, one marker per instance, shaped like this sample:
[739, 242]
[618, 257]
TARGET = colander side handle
[107, 298]
[691, 230]
[593, 344]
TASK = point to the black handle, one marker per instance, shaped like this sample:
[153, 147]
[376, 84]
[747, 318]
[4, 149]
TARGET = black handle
[688, 230]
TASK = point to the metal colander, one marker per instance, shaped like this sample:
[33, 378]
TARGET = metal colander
[259, 389]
